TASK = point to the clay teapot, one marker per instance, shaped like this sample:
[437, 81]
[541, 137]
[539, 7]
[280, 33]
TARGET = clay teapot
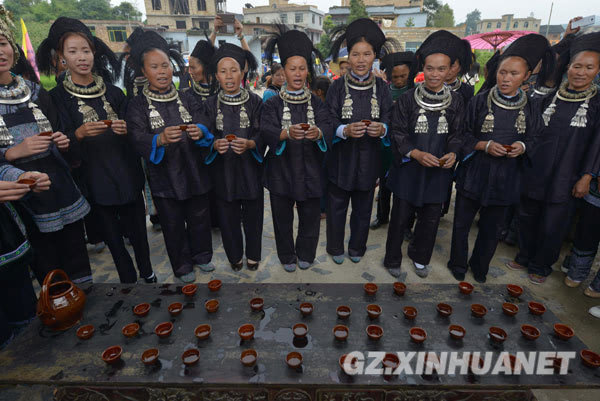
[60, 306]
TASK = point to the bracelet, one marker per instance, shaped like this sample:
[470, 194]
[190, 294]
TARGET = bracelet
[344, 133]
[241, 37]
[319, 136]
[158, 141]
[488, 145]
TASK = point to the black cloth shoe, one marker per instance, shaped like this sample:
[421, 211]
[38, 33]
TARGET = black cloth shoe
[151, 280]
[237, 266]
[252, 265]
[377, 223]
[458, 275]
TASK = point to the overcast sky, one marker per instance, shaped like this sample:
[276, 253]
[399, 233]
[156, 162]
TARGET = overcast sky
[562, 12]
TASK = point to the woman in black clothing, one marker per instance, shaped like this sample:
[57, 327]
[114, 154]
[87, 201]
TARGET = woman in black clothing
[297, 128]
[92, 112]
[162, 128]
[354, 161]
[501, 126]
[233, 116]
[200, 58]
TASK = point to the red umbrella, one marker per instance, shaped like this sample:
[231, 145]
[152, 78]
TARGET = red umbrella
[495, 39]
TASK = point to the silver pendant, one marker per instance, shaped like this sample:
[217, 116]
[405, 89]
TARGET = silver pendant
[520, 124]
[110, 113]
[422, 126]
[88, 113]
[156, 121]
[580, 118]
[347, 108]
[244, 120]
[548, 113]
[488, 124]
[442, 127]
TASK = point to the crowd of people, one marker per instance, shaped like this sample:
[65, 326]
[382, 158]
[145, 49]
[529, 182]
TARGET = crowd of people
[202, 155]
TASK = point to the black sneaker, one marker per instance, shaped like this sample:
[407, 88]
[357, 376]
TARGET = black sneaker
[151, 280]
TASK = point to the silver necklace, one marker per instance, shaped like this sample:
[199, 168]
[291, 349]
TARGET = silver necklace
[18, 94]
[350, 82]
[156, 120]
[241, 101]
[519, 104]
[304, 97]
[200, 90]
[442, 100]
[95, 91]
[580, 118]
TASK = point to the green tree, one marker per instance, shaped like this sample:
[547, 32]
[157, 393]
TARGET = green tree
[357, 10]
[95, 9]
[126, 10]
[410, 22]
[444, 17]
[324, 45]
[430, 7]
[473, 19]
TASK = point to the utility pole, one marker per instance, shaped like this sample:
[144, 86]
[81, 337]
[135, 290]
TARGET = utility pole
[549, 17]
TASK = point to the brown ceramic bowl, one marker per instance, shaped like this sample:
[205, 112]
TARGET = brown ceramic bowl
[46, 133]
[300, 330]
[344, 311]
[514, 290]
[563, 331]
[366, 122]
[214, 285]
[257, 304]
[164, 330]
[190, 357]
[183, 127]
[417, 334]
[246, 331]
[444, 310]
[465, 288]
[497, 334]
[370, 288]
[150, 356]
[212, 305]
[202, 331]
[141, 310]
[305, 126]
[590, 358]
[230, 137]
[410, 312]
[478, 310]
[390, 361]
[112, 354]
[510, 309]
[189, 290]
[536, 308]
[374, 332]
[27, 181]
[457, 332]
[399, 288]
[373, 311]
[130, 330]
[306, 308]
[108, 123]
[175, 308]
[508, 148]
[248, 357]
[442, 162]
[530, 332]
[294, 360]
[340, 332]
[85, 332]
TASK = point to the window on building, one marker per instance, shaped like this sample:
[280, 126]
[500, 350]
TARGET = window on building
[412, 46]
[116, 33]
[180, 6]
[299, 17]
[313, 18]
[498, 24]
[180, 25]
[516, 25]
[200, 24]
[92, 29]
[526, 24]
[320, 20]
[283, 18]
[258, 20]
[201, 4]
[489, 25]
[156, 5]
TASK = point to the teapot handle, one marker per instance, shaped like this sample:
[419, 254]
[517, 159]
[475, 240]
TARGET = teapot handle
[45, 292]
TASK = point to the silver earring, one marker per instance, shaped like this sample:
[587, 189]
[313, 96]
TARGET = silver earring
[63, 61]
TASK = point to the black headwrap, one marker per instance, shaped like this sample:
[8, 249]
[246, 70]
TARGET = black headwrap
[362, 28]
[204, 52]
[533, 48]
[23, 67]
[150, 40]
[243, 57]
[292, 43]
[389, 61]
[106, 63]
[576, 44]
[447, 43]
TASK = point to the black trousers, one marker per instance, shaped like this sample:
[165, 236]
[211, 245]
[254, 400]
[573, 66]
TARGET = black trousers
[587, 234]
[309, 222]
[186, 230]
[93, 226]
[17, 299]
[542, 229]
[131, 218]
[232, 215]
[337, 209]
[64, 249]
[491, 223]
[214, 210]
[420, 248]
[385, 198]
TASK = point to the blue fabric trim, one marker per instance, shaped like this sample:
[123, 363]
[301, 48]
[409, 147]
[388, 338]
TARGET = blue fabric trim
[15, 255]
[405, 159]
[336, 139]
[212, 155]
[280, 148]
[469, 156]
[158, 152]
[385, 139]
[257, 155]
[322, 144]
[268, 94]
[207, 138]
[10, 173]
